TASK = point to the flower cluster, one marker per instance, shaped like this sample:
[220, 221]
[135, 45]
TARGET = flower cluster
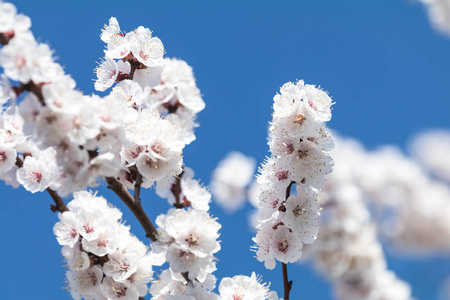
[300, 145]
[153, 87]
[104, 260]
[187, 240]
[85, 133]
[139, 55]
[177, 97]
[154, 152]
[145, 79]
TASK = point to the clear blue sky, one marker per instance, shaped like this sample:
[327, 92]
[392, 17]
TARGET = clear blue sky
[381, 61]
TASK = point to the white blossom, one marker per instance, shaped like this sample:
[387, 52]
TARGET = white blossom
[34, 175]
[244, 287]
[84, 283]
[302, 214]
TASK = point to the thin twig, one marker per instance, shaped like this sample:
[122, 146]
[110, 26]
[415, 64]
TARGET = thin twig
[176, 191]
[286, 283]
[60, 205]
[136, 208]
[59, 202]
[186, 276]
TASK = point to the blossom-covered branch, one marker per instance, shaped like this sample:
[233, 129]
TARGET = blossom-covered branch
[299, 145]
[133, 138]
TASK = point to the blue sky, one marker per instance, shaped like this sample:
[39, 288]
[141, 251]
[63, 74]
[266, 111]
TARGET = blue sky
[385, 67]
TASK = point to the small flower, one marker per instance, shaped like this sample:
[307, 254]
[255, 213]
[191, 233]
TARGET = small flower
[302, 214]
[8, 156]
[67, 229]
[108, 71]
[34, 175]
[286, 245]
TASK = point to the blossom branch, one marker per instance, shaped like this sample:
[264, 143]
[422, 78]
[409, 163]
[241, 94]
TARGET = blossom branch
[6, 37]
[59, 206]
[136, 208]
[176, 191]
[137, 188]
[36, 90]
[286, 283]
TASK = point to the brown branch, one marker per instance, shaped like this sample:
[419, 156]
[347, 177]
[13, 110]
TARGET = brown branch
[35, 89]
[186, 276]
[176, 191]
[137, 188]
[5, 37]
[286, 283]
[59, 202]
[136, 208]
[60, 205]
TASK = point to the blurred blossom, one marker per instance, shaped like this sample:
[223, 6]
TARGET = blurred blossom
[411, 208]
[439, 14]
[347, 250]
[432, 149]
[230, 179]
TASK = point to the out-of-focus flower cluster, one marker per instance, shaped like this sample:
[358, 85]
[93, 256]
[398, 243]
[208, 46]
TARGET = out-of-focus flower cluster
[104, 260]
[347, 250]
[431, 149]
[230, 180]
[300, 145]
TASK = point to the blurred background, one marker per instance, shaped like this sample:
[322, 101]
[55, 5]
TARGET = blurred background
[385, 63]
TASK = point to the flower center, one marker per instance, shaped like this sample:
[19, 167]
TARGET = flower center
[299, 119]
